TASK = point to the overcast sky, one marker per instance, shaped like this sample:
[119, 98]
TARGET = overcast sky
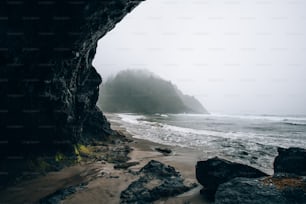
[236, 57]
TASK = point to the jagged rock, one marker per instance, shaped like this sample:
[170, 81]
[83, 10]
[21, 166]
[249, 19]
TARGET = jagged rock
[157, 181]
[280, 190]
[213, 172]
[49, 87]
[291, 160]
[96, 127]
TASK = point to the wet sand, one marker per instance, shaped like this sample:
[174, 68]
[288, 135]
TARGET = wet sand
[104, 183]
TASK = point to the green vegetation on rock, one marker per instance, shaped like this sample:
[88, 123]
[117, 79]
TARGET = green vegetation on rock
[140, 91]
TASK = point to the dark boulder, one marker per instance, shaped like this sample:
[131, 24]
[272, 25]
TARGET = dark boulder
[213, 172]
[247, 191]
[291, 160]
[156, 181]
[280, 190]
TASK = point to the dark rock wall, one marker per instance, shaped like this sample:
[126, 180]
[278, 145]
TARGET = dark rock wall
[48, 86]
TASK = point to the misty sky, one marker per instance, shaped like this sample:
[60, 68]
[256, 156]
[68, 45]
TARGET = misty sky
[236, 57]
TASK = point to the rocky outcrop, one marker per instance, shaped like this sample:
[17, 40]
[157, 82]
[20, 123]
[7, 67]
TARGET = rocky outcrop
[247, 191]
[156, 181]
[286, 186]
[96, 126]
[49, 87]
[290, 161]
[213, 172]
[281, 190]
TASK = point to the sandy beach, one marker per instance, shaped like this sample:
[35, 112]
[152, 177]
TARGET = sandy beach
[99, 182]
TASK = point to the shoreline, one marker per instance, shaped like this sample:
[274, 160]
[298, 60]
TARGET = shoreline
[259, 158]
[183, 159]
[101, 183]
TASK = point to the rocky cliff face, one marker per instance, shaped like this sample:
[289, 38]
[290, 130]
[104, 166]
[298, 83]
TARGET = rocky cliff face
[49, 87]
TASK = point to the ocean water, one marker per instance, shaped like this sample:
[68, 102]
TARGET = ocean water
[248, 139]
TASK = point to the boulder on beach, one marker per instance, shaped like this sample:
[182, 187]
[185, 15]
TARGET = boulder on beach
[215, 171]
[280, 190]
[156, 181]
[290, 161]
[286, 186]
[247, 191]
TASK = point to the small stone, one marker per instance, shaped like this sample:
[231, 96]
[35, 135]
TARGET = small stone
[164, 151]
[125, 165]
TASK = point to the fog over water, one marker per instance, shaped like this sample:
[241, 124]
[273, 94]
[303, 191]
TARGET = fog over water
[236, 57]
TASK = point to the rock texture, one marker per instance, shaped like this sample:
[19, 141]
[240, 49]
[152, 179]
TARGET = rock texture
[156, 181]
[258, 191]
[286, 186]
[49, 87]
[58, 196]
[213, 172]
[247, 191]
[290, 161]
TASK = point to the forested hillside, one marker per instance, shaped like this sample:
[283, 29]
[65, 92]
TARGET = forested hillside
[140, 91]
